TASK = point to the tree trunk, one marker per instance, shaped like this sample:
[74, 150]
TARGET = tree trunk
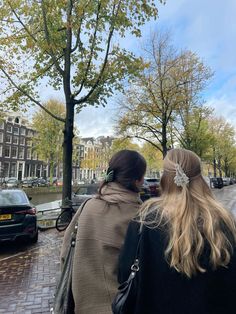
[214, 162]
[164, 141]
[219, 167]
[226, 166]
[67, 156]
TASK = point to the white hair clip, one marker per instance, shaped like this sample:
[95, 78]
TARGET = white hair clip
[180, 178]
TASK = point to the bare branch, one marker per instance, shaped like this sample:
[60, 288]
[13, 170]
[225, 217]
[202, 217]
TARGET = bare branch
[30, 97]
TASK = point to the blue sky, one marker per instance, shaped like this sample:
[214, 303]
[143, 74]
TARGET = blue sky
[205, 27]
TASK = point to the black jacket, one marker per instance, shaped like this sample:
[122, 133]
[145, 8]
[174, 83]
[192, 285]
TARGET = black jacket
[162, 290]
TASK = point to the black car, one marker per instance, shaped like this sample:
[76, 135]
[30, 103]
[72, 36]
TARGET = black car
[17, 216]
[217, 182]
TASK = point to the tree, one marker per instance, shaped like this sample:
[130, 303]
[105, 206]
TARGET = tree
[153, 158]
[72, 46]
[123, 143]
[194, 132]
[49, 137]
[222, 145]
[170, 81]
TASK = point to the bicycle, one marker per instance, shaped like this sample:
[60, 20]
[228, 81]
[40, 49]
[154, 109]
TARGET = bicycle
[64, 218]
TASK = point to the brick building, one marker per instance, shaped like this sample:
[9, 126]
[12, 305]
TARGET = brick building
[17, 156]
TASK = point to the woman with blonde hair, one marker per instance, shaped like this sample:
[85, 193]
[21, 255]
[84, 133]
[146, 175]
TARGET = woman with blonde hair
[186, 240]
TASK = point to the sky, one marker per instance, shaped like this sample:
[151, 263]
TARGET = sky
[205, 27]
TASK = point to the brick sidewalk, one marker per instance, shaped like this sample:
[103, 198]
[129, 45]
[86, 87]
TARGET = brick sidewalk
[28, 279]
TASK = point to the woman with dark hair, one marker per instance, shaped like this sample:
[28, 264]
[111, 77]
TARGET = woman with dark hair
[102, 225]
[187, 241]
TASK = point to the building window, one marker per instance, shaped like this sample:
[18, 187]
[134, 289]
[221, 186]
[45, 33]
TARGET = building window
[10, 119]
[22, 131]
[29, 153]
[21, 152]
[30, 133]
[0, 150]
[15, 140]
[6, 168]
[14, 151]
[8, 138]
[34, 155]
[9, 128]
[1, 125]
[15, 130]
[7, 151]
[13, 170]
[29, 142]
[1, 137]
[17, 120]
[22, 141]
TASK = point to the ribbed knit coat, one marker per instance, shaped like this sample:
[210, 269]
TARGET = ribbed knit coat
[101, 230]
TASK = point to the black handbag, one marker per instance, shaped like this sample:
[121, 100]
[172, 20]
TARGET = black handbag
[63, 299]
[121, 300]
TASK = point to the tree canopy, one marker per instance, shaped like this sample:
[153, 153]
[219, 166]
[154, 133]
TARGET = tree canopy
[49, 134]
[168, 87]
[72, 46]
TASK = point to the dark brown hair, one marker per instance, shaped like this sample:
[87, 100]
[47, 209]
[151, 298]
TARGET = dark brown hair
[128, 166]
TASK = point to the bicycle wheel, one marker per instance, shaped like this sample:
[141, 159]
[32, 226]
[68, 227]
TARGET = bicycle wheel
[63, 220]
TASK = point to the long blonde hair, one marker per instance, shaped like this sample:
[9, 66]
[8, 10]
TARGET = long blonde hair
[192, 217]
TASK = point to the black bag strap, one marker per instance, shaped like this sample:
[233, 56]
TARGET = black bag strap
[135, 266]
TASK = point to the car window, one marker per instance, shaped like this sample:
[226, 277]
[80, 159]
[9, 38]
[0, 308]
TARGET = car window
[14, 197]
[8, 198]
[12, 180]
[87, 190]
[152, 180]
[93, 189]
[82, 190]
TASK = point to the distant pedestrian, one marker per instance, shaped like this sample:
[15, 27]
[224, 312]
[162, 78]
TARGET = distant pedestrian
[102, 226]
[187, 256]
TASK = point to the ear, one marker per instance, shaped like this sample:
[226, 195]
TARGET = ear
[138, 183]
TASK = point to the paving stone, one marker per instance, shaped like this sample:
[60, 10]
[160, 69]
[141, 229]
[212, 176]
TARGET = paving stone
[28, 278]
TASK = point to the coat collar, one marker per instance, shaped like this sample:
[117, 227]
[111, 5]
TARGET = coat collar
[115, 193]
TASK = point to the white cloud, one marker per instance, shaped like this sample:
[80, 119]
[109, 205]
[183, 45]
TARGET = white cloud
[225, 107]
[95, 121]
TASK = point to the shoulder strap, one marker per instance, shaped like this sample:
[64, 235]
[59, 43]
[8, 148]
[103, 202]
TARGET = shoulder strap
[73, 236]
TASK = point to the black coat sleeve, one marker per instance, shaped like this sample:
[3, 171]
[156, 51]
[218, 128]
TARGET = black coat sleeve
[128, 252]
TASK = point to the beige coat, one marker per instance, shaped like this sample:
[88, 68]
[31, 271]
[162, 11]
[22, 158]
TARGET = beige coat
[102, 227]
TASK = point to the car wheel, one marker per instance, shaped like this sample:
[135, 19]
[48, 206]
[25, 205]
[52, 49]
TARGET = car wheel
[35, 238]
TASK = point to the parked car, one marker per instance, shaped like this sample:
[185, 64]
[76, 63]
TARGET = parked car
[17, 216]
[13, 183]
[42, 182]
[29, 183]
[145, 192]
[84, 192]
[153, 184]
[226, 181]
[217, 182]
[59, 182]
[208, 181]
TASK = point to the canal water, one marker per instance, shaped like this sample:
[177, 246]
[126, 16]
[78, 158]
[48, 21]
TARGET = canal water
[45, 198]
